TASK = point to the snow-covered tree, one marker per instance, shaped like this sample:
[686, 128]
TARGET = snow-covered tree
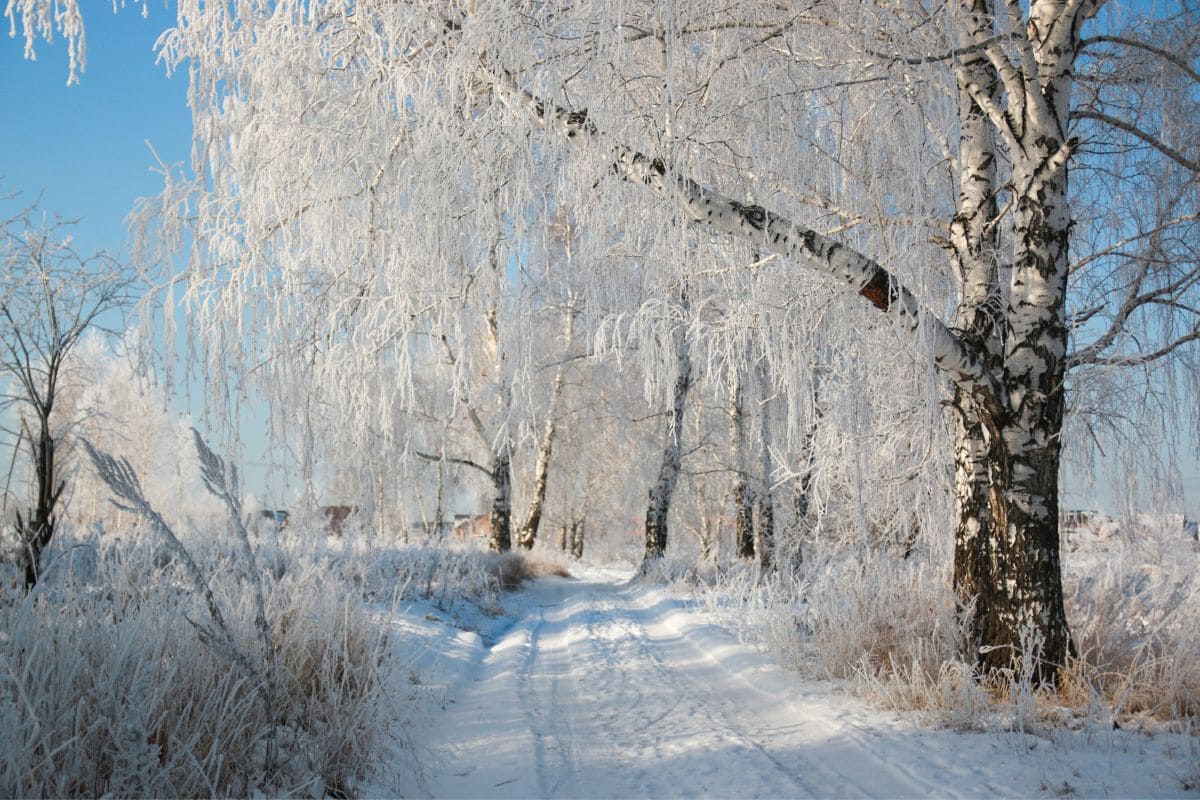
[51, 297]
[917, 155]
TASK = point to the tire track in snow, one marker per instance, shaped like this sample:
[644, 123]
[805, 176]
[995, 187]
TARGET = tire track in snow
[539, 690]
[781, 744]
[887, 773]
[606, 689]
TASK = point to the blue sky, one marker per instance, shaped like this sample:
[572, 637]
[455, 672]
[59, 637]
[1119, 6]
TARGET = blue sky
[83, 148]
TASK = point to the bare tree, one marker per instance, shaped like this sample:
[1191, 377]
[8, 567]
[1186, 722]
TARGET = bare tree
[51, 297]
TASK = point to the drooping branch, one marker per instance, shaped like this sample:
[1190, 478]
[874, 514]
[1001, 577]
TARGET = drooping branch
[766, 230]
[1117, 247]
[1161, 52]
[1148, 138]
[1137, 359]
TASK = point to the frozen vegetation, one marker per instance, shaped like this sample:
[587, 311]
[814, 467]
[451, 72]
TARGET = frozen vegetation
[415, 670]
[109, 684]
[789, 327]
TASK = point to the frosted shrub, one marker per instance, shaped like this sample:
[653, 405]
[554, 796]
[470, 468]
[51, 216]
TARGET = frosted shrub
[1137, 633]
[869, 614]
[106, 687]
[442, 573]
[886, 625]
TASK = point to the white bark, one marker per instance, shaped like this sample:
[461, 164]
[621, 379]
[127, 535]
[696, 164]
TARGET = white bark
[663, 490]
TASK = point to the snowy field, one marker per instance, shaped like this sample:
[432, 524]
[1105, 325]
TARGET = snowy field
[603, 686]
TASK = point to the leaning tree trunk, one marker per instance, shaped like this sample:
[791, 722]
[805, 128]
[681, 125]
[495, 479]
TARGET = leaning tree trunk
[529, 530]
[743, 501]
[659, 505]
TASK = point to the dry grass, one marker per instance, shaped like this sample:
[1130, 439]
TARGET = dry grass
[889, 627]
[1137, 632]
[513, 569]
[106, 688]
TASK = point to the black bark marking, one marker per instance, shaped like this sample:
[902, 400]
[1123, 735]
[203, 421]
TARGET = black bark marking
[879, 290]
[809, 239]
[755, 216]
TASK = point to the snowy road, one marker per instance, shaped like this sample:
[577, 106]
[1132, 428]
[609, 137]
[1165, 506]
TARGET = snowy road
[602, 688]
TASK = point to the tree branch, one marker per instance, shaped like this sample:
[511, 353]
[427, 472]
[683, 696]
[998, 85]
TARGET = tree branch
[768, 231]
[461, 461]
[1133, 130]
[1167, 55]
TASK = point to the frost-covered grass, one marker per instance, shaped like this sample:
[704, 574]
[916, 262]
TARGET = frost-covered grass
[109, 686]
[888, 627]
[444, 573]
[1137, 631]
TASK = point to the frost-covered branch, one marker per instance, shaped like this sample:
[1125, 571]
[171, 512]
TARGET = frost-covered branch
[222, 484]
[1146, 137]
[769, 231]
[1161, 52]
[464, 462]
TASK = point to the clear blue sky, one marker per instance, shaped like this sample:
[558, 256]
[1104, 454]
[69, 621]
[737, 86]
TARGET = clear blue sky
[83, 149]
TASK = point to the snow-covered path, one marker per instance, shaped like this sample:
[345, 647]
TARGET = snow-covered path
[607, 688]
[603, 688]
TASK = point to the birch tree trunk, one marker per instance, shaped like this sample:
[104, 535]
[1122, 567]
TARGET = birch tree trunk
[501, 517]
[659, 506]
[527, 535]
[1007, 557]
[529, 530]
[974, 251]
[577, 531]
[766, 504]
[743, 501]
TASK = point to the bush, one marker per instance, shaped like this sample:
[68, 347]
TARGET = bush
[108, 686]
[888, 627]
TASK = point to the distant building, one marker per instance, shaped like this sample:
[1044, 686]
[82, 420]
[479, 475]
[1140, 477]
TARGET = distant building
[468, 526]
[336, 516]
[1076, 519]
[277, 516]
[1192, 529]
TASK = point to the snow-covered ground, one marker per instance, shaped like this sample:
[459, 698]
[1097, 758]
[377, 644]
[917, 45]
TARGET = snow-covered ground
[599, 686]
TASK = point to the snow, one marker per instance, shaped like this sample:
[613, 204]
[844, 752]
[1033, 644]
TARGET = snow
[604, 686]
